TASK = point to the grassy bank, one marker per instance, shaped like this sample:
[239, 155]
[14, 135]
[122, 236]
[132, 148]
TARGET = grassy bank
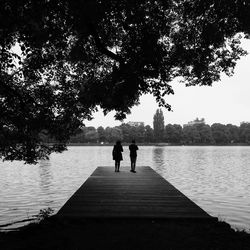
[125, 234]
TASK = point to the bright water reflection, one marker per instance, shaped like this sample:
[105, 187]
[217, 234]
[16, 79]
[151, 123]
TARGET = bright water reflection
[216, 178]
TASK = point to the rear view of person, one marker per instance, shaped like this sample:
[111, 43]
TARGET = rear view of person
[133, 155]
[117, 155]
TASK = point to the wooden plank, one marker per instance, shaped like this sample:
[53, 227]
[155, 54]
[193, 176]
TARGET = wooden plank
[144, 194]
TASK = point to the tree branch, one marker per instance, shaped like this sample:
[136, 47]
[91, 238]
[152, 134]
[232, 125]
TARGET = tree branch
[101, 47]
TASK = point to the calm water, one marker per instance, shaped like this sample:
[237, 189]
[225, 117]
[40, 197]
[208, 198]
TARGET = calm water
[216, 178]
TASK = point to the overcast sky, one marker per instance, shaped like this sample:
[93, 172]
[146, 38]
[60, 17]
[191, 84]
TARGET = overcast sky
[227, 101]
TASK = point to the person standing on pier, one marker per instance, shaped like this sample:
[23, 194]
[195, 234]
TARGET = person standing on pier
[117, 155]
[133, 155]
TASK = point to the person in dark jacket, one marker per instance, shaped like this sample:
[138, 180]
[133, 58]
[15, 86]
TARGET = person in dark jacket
[133, 155]
[117, 155]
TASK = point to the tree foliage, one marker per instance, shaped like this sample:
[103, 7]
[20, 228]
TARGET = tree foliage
[62, 59]
[173, 133]
[220, 133]
[158, 124]
[245, 132]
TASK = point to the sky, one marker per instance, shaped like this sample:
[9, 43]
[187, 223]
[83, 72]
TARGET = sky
[227, 101]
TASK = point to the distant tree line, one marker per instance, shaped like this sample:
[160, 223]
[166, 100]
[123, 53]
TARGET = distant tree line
[193, 134]
[124, 132]
[172, 133]
[204, 134]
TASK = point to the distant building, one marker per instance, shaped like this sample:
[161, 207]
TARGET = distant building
[195, 122]
[136, 124]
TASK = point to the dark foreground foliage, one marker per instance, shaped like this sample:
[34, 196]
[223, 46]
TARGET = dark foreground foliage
[60, 60]
[125, 234]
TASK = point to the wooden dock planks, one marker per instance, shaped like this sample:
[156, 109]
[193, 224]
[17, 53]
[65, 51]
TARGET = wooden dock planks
[144, 194]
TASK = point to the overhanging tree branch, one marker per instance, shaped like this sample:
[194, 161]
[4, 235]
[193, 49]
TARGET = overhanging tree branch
[101, 47]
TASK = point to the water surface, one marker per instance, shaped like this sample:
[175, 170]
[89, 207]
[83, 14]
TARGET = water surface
[216, 178]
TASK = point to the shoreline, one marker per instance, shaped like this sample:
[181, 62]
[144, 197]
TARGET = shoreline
[52, 233]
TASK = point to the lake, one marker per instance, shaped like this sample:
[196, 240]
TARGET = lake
[216, 178]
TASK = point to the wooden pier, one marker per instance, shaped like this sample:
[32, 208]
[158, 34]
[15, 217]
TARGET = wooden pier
[145, 194]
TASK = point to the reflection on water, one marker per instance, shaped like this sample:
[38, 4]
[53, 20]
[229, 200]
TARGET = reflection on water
[216, 178]
[158, 158]
[46, 177]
